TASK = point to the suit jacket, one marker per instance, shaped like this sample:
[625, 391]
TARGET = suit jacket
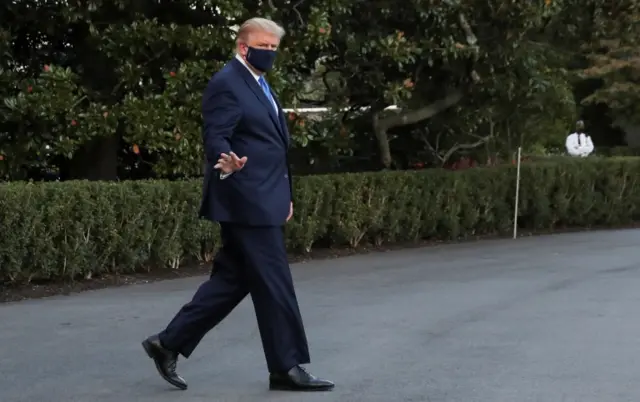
[239, 117]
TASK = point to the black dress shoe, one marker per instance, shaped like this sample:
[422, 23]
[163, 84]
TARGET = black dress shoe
[298, 379]
[165, 361]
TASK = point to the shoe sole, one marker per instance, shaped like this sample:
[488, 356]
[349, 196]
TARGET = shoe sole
[278, 387]
[147, 349]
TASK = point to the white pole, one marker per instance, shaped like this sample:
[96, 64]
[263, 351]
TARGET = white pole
[515, 212]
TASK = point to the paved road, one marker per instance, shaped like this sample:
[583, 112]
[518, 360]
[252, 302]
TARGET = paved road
[549, 319]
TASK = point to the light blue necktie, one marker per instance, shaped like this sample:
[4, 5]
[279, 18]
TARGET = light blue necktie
[267, 92]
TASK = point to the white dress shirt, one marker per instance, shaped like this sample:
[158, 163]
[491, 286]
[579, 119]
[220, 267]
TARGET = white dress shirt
[579, 144]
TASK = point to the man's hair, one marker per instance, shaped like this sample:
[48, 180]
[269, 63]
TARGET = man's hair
[261, 25]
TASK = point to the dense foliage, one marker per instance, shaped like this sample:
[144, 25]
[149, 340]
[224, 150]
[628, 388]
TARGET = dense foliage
[82, 229]
[111, 88]
[612, 73]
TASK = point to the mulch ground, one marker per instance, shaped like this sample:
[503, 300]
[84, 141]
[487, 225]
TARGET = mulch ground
[12, 293]
[37, 290]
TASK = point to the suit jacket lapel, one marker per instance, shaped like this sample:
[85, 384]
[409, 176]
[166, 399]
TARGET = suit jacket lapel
[257, 90]
[284, 130]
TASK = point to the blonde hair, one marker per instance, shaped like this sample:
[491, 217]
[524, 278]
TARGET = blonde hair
[262, 25]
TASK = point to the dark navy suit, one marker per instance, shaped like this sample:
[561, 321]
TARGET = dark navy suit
[251, 205]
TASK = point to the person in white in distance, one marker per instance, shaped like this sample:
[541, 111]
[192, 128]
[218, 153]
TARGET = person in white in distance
[578, 143]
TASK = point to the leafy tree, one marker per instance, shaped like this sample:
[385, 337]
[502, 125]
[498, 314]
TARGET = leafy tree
[612, 65]
[481, 73]
[82, 80]
[438, 55]
[100, 89]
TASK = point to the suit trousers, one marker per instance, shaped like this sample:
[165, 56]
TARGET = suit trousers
[252, 260]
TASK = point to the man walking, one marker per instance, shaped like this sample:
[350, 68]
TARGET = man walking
[251, 197]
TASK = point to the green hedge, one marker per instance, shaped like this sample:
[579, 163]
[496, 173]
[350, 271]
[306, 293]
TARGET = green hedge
[82, 229]
[624, 151]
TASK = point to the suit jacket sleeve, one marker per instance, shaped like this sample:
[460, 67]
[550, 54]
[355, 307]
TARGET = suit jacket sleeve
[221, 113]
[290, 180]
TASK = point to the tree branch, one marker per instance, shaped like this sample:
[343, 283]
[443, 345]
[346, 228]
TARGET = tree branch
[458, 147]
[325, 81]
[434, 150]
[444, 158]
[382, 125]
[295, 10]
[471, 37]
[423, 113]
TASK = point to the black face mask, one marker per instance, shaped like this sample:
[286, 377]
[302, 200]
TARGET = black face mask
[261, 59]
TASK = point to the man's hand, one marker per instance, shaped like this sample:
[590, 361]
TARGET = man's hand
[230, 163]
[290, 211]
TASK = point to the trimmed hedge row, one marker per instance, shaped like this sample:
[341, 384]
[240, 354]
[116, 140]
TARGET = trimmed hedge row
[79, 229]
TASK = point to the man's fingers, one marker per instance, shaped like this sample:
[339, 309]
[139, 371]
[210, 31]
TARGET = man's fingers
[235, 157]
[230, 161]
[290, 212]
[238, 162]
[222, 165]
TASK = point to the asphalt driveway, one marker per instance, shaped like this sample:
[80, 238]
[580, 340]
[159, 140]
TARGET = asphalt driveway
[549, 319]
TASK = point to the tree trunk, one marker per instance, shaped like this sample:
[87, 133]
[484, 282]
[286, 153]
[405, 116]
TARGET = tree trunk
[382, 124]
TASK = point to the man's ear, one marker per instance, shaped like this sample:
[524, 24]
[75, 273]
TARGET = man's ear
[243, 49]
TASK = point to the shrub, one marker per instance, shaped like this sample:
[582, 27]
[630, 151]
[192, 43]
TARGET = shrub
[68, 230]
[624, 151]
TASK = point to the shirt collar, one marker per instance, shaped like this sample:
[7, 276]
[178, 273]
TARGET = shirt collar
[244, 63]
